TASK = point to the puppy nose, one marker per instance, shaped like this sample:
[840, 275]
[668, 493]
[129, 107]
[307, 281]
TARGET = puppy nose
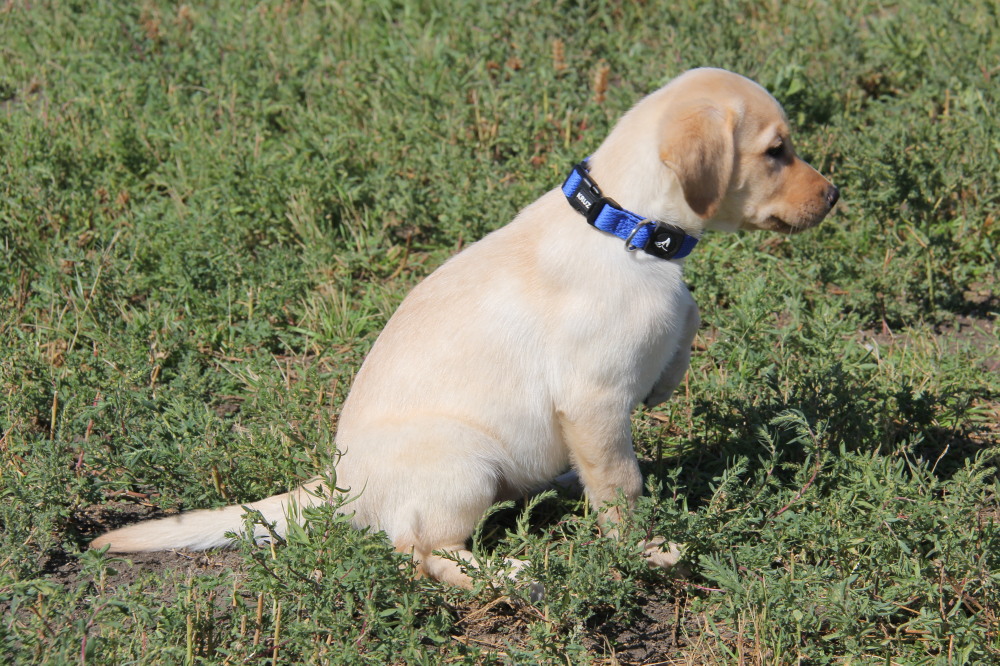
[832, 195]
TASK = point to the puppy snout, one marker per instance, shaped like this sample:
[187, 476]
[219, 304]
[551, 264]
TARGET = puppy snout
[832, 196]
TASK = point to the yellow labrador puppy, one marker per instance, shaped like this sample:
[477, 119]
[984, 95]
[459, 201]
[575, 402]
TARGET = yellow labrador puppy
[525, 354]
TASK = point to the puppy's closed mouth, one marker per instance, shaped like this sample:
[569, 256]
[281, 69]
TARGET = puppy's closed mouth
[775, 223]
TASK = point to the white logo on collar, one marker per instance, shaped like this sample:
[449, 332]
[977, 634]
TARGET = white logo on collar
[664, 244]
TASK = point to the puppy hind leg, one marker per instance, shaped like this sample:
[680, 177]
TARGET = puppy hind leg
[440, 512]
[453, 569]
[433, 493]
[437, 535]
[448, 570]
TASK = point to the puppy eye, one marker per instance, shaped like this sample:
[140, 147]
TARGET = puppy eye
[775, 151]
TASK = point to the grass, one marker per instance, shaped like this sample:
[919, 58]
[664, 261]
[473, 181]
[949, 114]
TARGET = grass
[208, 211]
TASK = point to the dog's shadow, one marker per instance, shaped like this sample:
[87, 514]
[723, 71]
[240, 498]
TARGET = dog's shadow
[844, 414]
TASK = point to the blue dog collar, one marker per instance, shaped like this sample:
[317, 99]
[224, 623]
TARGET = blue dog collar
[639, 233]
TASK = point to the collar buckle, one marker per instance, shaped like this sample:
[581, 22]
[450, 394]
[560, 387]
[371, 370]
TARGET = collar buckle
[583, 193]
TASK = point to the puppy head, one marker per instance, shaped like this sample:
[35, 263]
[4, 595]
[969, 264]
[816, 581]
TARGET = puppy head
[728, 144]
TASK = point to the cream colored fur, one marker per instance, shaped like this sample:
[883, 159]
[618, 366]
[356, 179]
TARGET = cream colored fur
[525, 354]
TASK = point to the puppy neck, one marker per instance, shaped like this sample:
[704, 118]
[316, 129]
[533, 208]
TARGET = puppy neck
[642, 184]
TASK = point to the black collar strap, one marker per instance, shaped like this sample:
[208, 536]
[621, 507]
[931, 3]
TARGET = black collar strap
[639, 233]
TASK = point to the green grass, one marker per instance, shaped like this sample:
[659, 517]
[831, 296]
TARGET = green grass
[208, 212]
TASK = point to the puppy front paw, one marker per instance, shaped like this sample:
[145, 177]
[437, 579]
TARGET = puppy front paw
[658, 552]
[536, 591]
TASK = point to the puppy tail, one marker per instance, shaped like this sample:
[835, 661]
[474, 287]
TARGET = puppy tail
[201, 530]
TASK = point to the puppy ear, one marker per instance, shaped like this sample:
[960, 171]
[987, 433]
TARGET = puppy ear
[696, 142]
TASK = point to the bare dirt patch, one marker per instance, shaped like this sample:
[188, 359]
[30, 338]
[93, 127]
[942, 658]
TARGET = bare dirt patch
[134, 567]
[655, 633]
[976, 333]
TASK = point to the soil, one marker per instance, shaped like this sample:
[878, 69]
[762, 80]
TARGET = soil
[655, 634]
[978, 333]
[67, 570]
[137, 566]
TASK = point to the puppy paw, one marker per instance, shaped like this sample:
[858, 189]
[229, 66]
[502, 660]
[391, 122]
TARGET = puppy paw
[536, 591]
[658, 552]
